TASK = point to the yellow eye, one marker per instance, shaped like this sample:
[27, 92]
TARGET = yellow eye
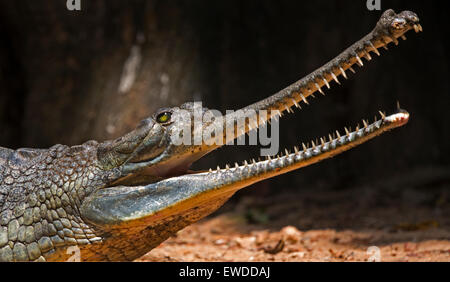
[163, 117]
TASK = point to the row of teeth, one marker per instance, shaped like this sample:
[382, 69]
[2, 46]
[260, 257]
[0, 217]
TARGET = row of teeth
[335, 140]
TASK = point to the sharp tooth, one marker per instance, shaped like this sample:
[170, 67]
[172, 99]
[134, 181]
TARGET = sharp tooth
[253, 161]
[420, 27]
[326, 83]
[365, 123]
[245, 163]
[385, 47]
[227, 166]
[346, 131]
[269, 158]
[295, 103]
[335, 78]
[403, 37]
[286, 151]
[218, 168]
[352, 70]
[210, 170]
[374, 49]
[304, 147]
[343, 72]
[357, 127]
[318, 88]
[236, 165]
[313, 144]
[304, 99]
[416, 28]
[296, 149]
[322, 141]
[360, 62]
[383, 116]
[330, 137]
[368, 57]
[338, 134]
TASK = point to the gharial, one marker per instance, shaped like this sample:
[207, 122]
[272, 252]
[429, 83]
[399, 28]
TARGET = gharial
[116, 200]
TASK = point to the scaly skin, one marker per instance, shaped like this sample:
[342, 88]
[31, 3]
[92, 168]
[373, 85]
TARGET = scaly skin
[116, 200]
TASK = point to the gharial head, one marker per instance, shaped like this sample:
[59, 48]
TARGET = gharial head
[155, 194]
[397, 24]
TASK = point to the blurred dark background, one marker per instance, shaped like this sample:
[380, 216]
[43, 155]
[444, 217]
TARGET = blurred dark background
[62, 75]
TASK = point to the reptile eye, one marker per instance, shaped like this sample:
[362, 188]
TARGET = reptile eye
[164, 117]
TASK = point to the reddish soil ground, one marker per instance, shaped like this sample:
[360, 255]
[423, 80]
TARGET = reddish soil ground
[407, 223]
